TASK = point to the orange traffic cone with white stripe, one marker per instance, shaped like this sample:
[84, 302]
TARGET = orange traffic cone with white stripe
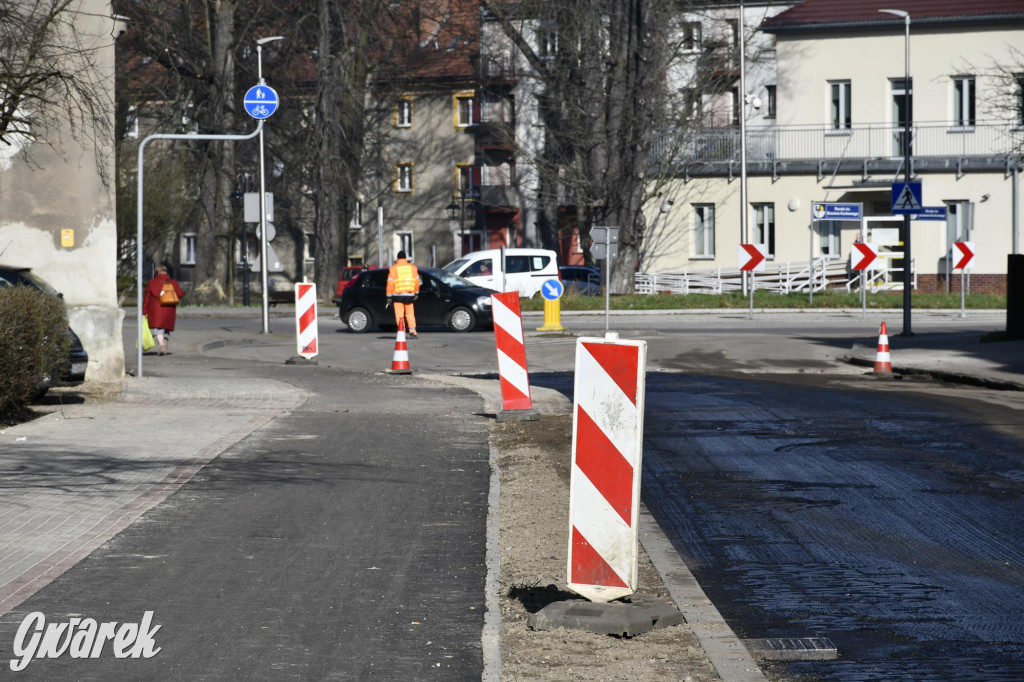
[883, 364]
[400, 361]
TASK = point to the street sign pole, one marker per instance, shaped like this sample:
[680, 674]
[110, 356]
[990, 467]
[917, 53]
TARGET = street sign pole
[607, 280]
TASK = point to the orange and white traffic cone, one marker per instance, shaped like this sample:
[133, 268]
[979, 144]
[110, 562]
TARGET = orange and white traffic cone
[400, 361]
[883, 364]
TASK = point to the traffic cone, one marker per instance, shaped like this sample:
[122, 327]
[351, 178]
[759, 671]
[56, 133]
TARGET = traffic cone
[883, 365]
[400, 361]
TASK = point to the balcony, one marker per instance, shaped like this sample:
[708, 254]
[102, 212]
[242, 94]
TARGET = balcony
[492, 68]
[817, 143]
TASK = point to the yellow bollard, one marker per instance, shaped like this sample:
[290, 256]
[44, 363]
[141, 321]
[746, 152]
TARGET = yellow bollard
[552, 317]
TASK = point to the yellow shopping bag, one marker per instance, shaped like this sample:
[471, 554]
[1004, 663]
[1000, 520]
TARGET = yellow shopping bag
[147, 336]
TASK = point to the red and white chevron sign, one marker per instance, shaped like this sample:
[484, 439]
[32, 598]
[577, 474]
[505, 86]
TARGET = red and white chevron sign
[752, 258]
[964, 255]
[508, 337]
[863, 256]
[604, 482]
[305, 320]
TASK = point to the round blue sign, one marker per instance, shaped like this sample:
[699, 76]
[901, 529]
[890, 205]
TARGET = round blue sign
[552, 289]
[260, 101]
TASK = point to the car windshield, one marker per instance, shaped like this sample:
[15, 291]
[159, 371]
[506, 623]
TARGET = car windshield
[455, 265]
[454, 281]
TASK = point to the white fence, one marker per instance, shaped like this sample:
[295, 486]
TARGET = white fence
[781, 278]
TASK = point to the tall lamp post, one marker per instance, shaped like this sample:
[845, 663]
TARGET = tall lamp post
[264, 260]
[742, 105]
[907, 331]
[466, 199]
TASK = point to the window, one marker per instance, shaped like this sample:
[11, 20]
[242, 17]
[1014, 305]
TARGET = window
[692, 38]
[963, 101]
[764, 227]
[356, 223]
[840, 110]
[691, 104]
[253, 255]
[188, 249]
[770, 103]
[828, 239]
[403, 177]
[481, 268]
[308, 246]
[403, 113]
[467, 110]
[547, 40]
[704, 230]
[1019, 99]
[734, 115]
[405, 244]
[131, 122]
[902, 114]
[470, 241]
[467, 179]
[516, 264]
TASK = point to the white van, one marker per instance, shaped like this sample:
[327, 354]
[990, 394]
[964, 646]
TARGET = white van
[525, 270]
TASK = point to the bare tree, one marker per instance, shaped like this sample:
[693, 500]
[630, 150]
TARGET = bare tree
[48, 77]
[597, 100]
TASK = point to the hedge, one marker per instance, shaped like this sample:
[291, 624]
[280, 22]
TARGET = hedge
[34, 345]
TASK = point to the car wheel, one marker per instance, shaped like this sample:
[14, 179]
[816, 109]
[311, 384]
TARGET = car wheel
[461, 320]
[359, 320]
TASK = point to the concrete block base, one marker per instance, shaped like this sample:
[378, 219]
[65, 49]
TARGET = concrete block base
[615, 618]
[299, 360]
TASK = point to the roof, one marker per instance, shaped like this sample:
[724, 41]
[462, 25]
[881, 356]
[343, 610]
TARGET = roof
[817, 15]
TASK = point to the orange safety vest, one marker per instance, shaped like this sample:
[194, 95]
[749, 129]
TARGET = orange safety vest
[403, 278]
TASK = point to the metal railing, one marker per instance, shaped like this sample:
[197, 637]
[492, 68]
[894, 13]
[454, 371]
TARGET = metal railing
[790, 143]
[779, 278]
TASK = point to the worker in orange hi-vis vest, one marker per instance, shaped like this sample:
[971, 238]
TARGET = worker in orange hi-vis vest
[403, 289]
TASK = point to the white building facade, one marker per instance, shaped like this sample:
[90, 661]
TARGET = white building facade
[837, 100]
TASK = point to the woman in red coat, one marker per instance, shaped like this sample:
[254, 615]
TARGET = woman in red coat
[158, 309]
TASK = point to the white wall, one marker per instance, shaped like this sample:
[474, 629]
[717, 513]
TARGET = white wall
[61, 190]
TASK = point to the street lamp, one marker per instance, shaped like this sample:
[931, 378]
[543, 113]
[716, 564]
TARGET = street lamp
[466, 199]
[906, 166]
[264, 260]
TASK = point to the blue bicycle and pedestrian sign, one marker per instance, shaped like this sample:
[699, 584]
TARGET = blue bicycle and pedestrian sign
[260, 101]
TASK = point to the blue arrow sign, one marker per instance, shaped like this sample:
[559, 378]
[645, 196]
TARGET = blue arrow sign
[552, 290]
[906, 198]
[260, 101]
[932, 213]
[825, 211]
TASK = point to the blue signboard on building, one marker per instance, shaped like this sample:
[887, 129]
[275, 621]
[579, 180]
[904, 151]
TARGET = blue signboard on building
[821, 210]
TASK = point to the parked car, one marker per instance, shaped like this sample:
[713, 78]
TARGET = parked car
[444, 300]
[526, 270]
[347, 276]
[581, 280]
[78, 359]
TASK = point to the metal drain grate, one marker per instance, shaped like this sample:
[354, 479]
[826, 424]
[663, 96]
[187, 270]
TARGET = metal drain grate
[793, 648]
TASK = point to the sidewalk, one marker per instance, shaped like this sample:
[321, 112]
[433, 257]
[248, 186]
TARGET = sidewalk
[79, 475]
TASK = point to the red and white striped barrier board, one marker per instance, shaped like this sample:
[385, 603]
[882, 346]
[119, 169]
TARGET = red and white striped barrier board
[508, 337]
[305, 320]
[607, 451]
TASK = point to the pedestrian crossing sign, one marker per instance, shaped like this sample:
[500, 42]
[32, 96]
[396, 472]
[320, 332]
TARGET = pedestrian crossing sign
[906, 198]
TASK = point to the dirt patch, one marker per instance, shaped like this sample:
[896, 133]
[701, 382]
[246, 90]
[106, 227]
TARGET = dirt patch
[534, 463]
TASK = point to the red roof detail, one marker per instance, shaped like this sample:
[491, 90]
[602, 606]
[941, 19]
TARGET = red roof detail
[837, 12]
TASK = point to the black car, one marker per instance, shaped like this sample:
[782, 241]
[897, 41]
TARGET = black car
[582, 280]
[444, 299]
[78, 358]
